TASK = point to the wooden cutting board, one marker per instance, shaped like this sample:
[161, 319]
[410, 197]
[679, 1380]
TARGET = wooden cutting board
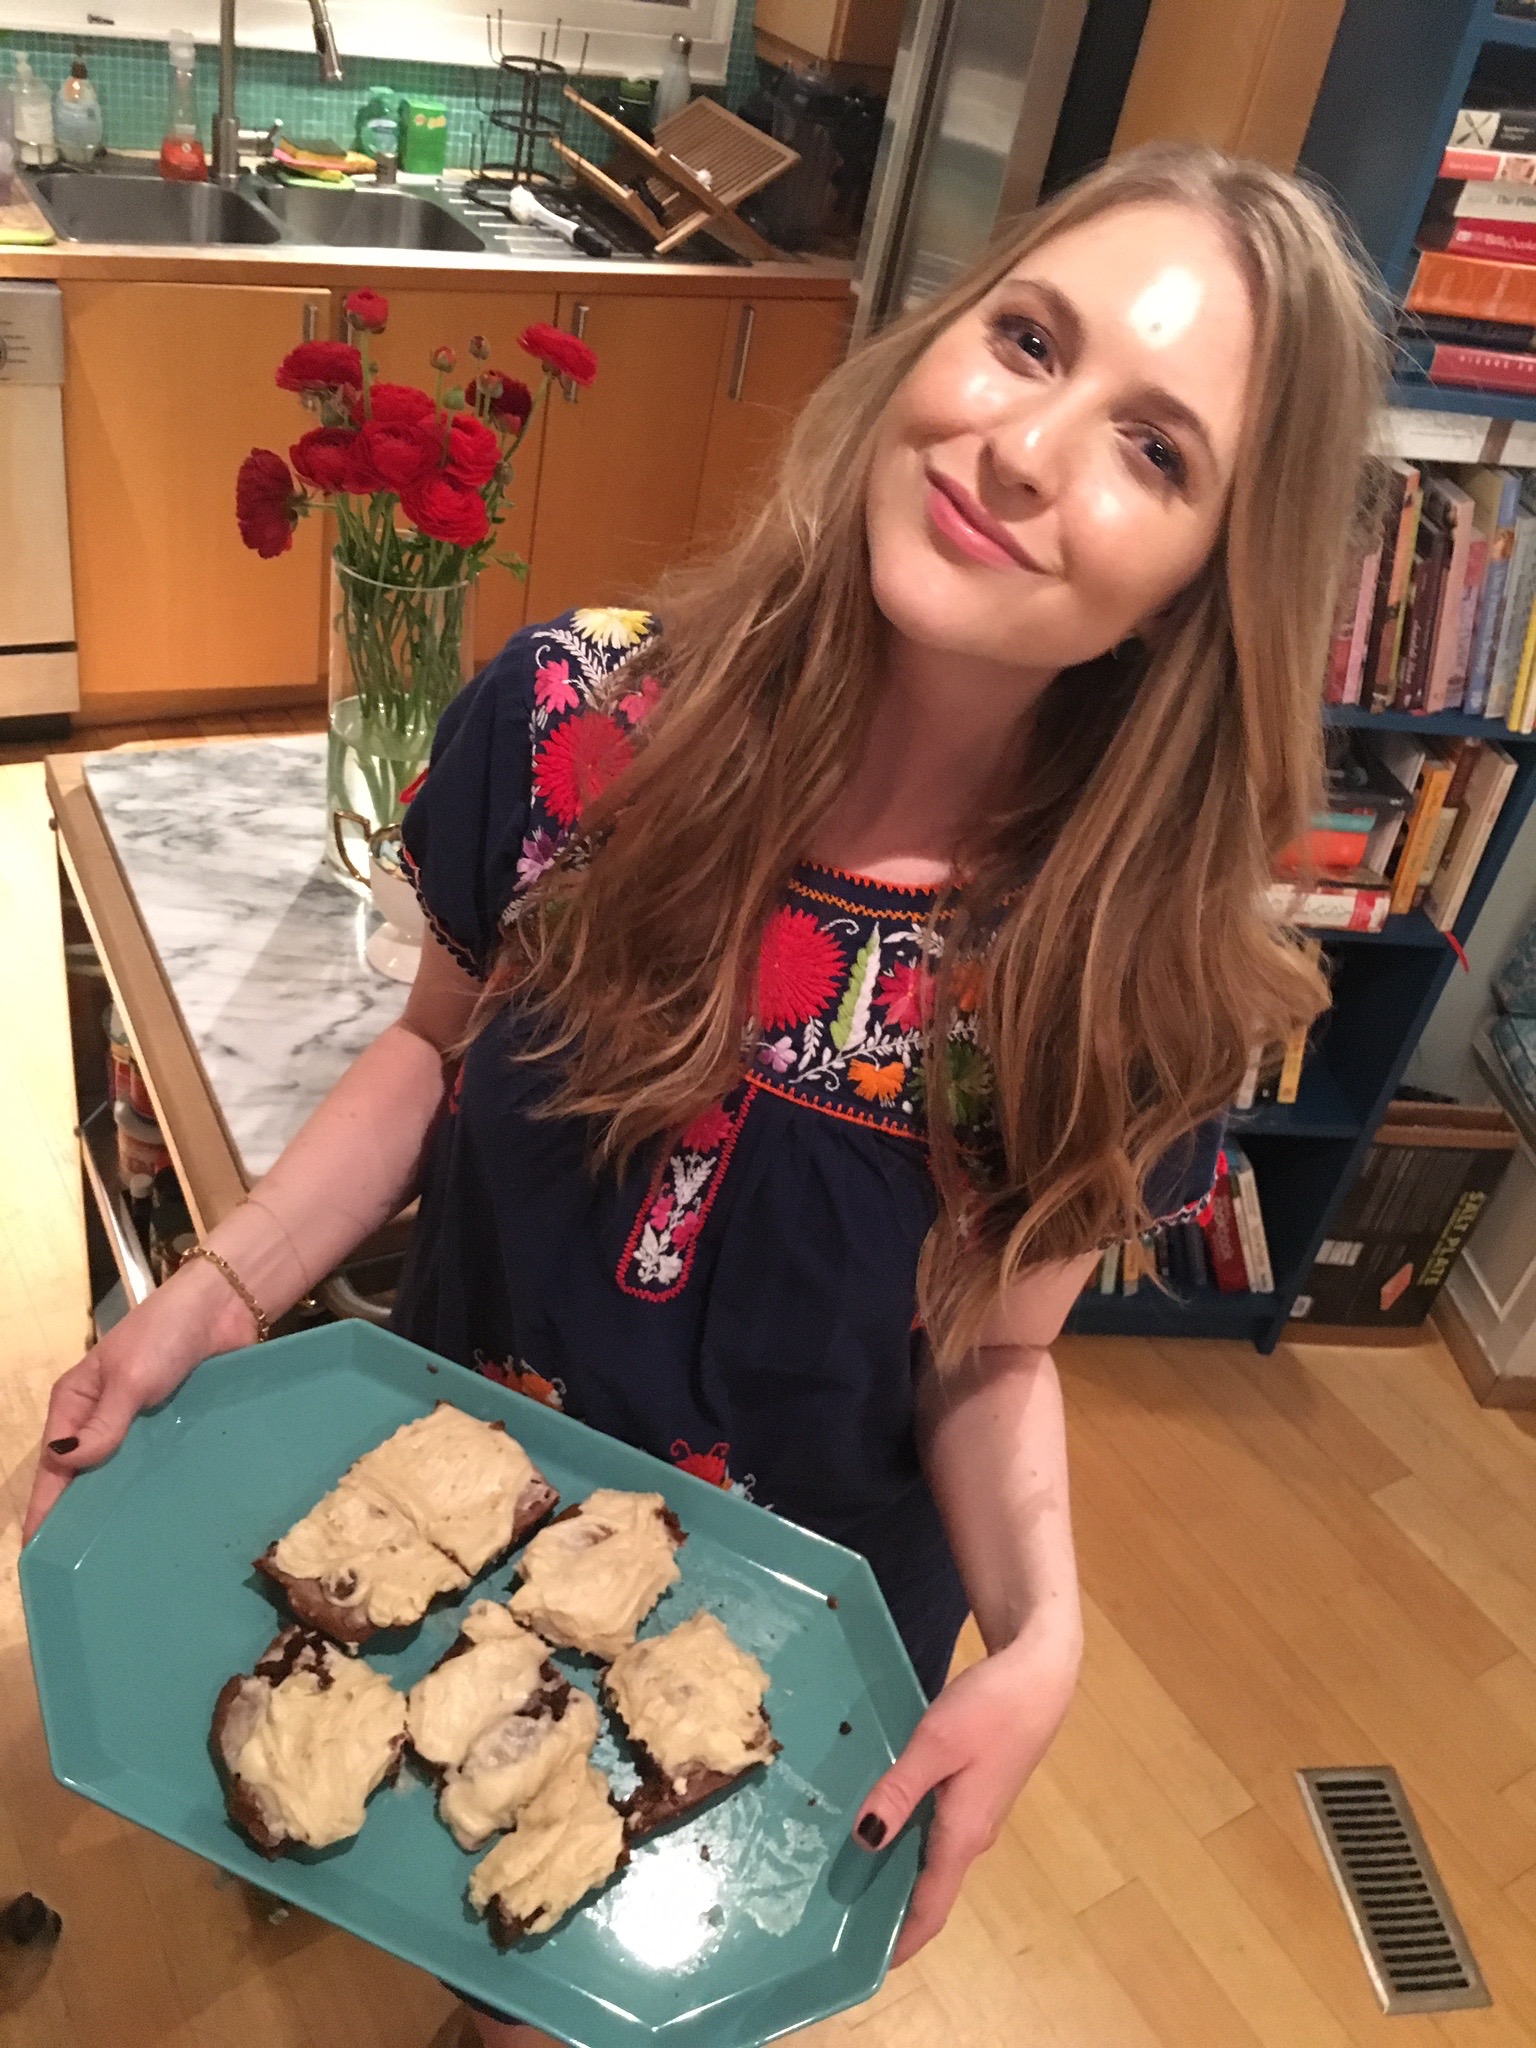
[21, 221]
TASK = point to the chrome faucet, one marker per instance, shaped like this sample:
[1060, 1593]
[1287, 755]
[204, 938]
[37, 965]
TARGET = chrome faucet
[226, 122]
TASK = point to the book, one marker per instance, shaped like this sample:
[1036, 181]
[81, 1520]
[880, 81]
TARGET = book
[1493, 771]
[1194, 1253]
[1426, 583]
[1474, 286]
[1224, 1251]
[1519, 598]
[1496, 241]
[1522, 696]
[1471, 601]
[1510, 335]
[1425, 1181]
[1453, 508]
[1434, 780]
[1346, 653]
[1289, 1086]
[1496, 493]
[1445, 825]
[1247, 1088]
[1109, 1270]
[1250, 1220]
[1400, 530]
[1498, 166]
[1494, 128]
[1483, 369]
[1338, 907]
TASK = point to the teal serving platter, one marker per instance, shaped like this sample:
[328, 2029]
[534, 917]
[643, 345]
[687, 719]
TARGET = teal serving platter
[756, 1916]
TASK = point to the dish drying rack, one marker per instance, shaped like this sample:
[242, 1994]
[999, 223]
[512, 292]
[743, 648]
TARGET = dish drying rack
[527, 108]
[703, 163]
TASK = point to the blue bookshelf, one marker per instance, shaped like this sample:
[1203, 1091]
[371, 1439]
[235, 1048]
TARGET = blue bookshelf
[1398, 73]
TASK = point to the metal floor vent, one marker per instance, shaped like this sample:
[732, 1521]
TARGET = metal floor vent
[1412, 1942]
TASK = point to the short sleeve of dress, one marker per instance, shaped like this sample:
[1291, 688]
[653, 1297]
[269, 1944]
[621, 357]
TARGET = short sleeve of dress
[464, 827]
[1183, 1177]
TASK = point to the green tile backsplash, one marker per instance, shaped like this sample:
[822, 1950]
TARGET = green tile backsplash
[131, 79]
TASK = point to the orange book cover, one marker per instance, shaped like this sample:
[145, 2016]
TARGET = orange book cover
[1474, 288]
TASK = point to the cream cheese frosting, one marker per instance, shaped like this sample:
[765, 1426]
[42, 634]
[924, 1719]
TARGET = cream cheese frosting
[567, 1840]
[366, 1554]
[508, 1765]
[311, 1748]
[448, 1708]
[590, 1580]
[455, 1479]
[692, 1697]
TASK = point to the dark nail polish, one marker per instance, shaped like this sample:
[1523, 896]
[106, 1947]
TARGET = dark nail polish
[872, 1830]
[63, 1445]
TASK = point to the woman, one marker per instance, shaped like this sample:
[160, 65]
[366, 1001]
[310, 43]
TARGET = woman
[823, 971]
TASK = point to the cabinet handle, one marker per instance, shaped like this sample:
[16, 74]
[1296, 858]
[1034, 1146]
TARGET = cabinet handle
[743, 351]
[568, 385]
[311, 322]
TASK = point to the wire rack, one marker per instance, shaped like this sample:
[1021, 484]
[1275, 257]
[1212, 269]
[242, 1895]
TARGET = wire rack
[524, 123]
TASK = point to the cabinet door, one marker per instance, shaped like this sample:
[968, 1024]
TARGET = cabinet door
[167, 388]
[420, 321]
[779, 351]
[622, 461]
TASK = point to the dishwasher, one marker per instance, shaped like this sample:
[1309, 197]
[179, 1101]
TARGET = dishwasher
[39, 667]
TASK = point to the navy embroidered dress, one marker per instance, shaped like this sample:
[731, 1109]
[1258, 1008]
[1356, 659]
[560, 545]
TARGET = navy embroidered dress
[745, 1307]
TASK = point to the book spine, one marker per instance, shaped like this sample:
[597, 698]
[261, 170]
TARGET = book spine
[1455, 508]
[1389, 641]
[1223, 1246]
[1514, 718]
[1520, 588]
[1500, 334]
[1194, 1253]
[1290, 1067]
[1495, 128]
[1421, 830]
[1471, 599]
[1338, 909]
[1497, 241]
[1431, 557]
[1491, 165]
[1490, 615]
[1359, 639]
[1483, 369]
[1257, 1240]
[1470, 284]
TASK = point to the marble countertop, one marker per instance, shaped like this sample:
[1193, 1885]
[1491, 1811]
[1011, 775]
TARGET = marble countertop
[261, 943]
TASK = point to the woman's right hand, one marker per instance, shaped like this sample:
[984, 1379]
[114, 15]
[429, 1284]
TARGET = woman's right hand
[141, 1361]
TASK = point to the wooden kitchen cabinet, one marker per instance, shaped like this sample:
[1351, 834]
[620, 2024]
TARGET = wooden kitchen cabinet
[167, 387]
[778, 351]
[623, 461]
[420, 321]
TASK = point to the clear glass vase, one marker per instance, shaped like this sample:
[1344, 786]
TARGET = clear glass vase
[398, 654]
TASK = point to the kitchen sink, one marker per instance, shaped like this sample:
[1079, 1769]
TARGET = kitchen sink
[102, 207]
[368, 219]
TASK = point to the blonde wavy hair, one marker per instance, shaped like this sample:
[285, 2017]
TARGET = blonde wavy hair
[1116, 903]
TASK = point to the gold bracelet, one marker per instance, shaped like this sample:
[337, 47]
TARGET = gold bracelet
[258, 1313]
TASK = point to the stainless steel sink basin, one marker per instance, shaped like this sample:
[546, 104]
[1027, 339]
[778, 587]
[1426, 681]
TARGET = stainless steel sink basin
[100, 207]
[367, 219]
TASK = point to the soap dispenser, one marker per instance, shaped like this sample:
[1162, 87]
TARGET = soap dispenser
[181, 153]
[32, 111]
[77, 115]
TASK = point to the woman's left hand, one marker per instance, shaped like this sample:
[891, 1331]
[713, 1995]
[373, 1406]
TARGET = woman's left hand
[975, 1748]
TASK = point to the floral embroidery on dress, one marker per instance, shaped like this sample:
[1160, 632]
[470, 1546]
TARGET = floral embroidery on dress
[522, 1379]
[658, 1255]
[712, 1466]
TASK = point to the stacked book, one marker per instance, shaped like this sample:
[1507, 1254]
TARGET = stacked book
[1222, 1246]
[1471, 310]
[1408, 818]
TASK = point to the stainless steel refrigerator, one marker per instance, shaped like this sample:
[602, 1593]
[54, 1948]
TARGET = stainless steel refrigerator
[972, 112]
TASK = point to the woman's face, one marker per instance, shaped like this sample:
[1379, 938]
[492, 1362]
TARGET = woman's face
[1055, 469]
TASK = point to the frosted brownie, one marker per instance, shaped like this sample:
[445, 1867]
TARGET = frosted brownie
[493, 1721]
[591, 1577]
[691, 1702]
[413, 1519]
[567, 1840]
[303, 1740]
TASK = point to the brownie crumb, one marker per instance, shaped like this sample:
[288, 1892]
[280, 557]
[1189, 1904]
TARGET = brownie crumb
[832, 1600]
[704, 1851]
[432, 1368]
[845, 1727]
[812, 1800]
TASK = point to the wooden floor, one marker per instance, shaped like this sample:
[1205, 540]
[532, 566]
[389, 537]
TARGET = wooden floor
[1325, 1557]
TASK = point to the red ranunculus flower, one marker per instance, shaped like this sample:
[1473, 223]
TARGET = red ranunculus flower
[560, 352]
[445, 509]
[473, 450]
[319, 366]
[798, 969]
[401, 452]
[578, 761]
[393, 403]
[323, 457]
[368, 310]
[510, 406]
[442, 358]
[264, 503]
